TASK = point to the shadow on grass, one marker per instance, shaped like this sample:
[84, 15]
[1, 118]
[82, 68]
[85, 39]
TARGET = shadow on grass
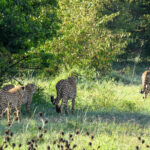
[119, 117]
[129, 72]
[82, 120]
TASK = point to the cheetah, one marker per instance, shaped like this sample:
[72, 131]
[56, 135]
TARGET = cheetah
[66, 89]
[11, 99]
[145, 83]
[30, 89]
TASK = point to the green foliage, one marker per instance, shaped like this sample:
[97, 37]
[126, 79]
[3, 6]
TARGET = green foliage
[29, 23]
[42, 37]
[133, 18]
[24, 25]
[84, 40]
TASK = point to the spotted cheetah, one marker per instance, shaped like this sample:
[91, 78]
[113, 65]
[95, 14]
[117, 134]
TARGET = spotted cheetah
[66, 89]
[30, 89]
[11, 99]
[145, 83]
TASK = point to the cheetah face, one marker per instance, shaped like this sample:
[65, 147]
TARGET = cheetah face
[22, 90]
[31, 87]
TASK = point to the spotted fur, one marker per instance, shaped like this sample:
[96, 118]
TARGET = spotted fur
[66, 89]
[8, 87]
[145, 83]
[30, 89]
[11, 99]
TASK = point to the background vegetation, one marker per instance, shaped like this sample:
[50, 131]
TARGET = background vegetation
[45, 36]
[105, 42]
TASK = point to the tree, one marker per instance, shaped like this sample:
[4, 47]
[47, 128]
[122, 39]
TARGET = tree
[24, 25]
[134, 18]
[84, 39]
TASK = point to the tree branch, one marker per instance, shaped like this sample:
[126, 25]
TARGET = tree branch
[7, 68]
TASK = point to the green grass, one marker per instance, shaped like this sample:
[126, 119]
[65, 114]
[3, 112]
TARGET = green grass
[114, 112]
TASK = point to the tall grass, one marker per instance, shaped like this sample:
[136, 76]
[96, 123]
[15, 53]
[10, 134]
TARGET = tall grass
[112, 111]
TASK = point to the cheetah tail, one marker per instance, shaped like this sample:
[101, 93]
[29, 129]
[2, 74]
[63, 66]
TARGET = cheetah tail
[52, 100]
[141, 91]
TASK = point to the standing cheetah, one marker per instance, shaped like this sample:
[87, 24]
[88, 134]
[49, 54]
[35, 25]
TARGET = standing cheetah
[11, 99]
[66, 89]
[30, 89]
[145, 83]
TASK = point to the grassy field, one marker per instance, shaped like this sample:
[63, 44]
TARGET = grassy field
[109, 113]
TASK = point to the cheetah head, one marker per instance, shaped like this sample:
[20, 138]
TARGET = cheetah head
[31, 87]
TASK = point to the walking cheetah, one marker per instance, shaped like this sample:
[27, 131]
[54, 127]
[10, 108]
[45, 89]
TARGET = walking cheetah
[145, 83]
[11, 99]
[66, 89]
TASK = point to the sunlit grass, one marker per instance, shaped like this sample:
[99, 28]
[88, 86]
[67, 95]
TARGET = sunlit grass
[113, 112]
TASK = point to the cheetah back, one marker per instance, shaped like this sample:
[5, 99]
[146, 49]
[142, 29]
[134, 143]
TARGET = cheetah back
[8, 87]
[66, 89]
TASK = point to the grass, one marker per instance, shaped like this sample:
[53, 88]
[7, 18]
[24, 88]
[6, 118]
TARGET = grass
[111, 111]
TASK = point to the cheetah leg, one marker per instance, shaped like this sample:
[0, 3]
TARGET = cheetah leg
[145, 94]
[61, 107]
[73, 102]
[66, 107]
[28, 107]
[8, 113]
[56, 102]
[62, 104]
[18, 111]
[29, 104]
[57, 109]
[18, 114]
[1, 113]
